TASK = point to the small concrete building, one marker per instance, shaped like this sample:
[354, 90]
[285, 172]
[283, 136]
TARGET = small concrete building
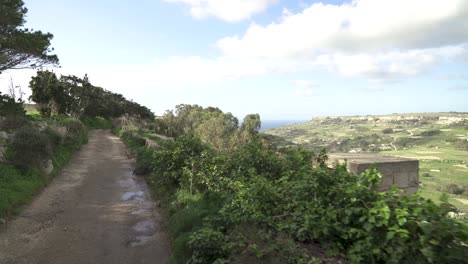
[401, 172]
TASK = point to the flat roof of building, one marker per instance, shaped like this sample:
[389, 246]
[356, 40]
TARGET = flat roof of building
[366, 158]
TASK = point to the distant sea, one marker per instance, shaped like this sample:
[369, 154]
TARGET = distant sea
[269, 124]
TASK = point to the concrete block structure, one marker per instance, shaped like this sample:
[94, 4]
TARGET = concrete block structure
[401, 172]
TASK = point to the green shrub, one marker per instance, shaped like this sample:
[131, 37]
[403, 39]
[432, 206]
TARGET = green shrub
[185, 220]
[12, 111]
[214, 193]
[181, 251]
[406, 142]
[76, 131]
[429, 133]
[426, 174]
[455, 189]
[54, 137]
[207, 245]
[29, 148]
[387, 131]
[97, 122]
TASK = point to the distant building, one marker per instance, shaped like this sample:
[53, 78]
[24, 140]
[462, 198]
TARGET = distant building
[401, 172]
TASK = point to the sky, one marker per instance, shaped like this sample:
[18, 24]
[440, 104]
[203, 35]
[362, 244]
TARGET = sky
[283, 59]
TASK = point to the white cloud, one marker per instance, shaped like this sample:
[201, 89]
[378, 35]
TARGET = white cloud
[390, 66]
[228, 10]
[376, 88]
[304, 92]
[305, 84]
[380, 39]
[305, 88]
[384, 40]
[174, 74]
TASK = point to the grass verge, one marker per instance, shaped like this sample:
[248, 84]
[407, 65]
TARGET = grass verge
[18, 187]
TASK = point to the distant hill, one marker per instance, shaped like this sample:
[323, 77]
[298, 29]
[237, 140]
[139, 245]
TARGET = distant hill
[374, 132]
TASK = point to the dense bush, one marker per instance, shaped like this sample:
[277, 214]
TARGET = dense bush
[387, 130]
[455, 189]
[406, 142]
[12, 112]
[97, 122]
[213, 194]
[429, 133]
[54, 137]
[29, 148]
[76, 130]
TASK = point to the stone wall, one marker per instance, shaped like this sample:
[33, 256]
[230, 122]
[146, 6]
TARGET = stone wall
[401, 172]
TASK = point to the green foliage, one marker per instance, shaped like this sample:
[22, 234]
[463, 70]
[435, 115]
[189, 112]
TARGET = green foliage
[387, 131]
[251, 124]
[18, 184]
[322, 159]
[16, 188]
[97, 122]
[345, 215]
[253, 244]
[431, 132]
[12, 111]
[220, 130]
[29, 148]
[172, 157]
[293, 206]
[55, 139]
[47, 93]
[21, 47]
[456, 189]
[77, 97]
[76, 131]
[207, 245]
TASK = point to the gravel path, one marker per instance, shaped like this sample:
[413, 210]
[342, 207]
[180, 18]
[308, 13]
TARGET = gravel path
[95, 211]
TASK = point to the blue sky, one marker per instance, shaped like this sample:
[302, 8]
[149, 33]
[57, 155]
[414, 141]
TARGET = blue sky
[283, 59]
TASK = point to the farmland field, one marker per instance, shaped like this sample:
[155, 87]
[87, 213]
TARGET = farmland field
[438, 140]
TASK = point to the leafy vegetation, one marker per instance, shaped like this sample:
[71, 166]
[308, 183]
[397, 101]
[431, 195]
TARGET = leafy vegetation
[254, 203]
[78, 98]
[22, 47]
[29, 148]
[210, 125]
[437, 140]
[21, 176]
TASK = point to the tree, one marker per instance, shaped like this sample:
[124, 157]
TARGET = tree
[251, 124]
[43, 87]
[20, 47]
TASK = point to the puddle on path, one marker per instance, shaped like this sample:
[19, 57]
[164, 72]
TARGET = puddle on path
[138, 195]
[139, 212]
[130, 183]
[146, 226]
[141, 240]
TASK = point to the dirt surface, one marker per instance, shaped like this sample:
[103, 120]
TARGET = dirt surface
[95, 211]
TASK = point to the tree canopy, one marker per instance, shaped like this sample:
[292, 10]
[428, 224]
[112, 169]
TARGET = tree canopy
[21, 47]
[211, 125]
[77, 97]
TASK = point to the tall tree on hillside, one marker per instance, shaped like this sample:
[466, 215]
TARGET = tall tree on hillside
[251, 124]
[21, 47]
[44, 87]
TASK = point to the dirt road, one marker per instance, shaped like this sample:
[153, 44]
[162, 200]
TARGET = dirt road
[94, 212]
